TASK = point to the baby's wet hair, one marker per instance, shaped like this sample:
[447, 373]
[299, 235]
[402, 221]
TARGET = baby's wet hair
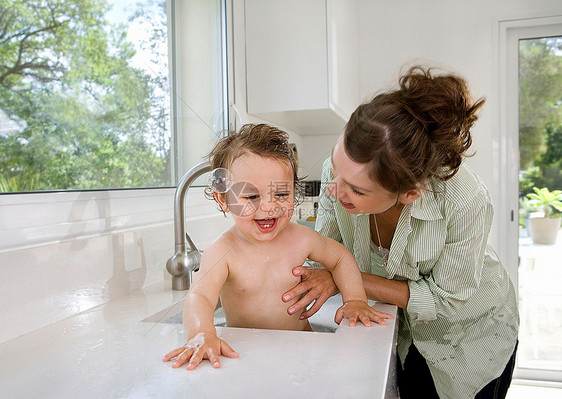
[260, 139]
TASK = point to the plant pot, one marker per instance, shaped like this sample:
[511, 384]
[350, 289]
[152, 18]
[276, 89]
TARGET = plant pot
[544, 230]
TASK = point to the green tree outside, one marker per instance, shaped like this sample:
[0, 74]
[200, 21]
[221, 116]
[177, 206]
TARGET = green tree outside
[540, 114]
[81, 115]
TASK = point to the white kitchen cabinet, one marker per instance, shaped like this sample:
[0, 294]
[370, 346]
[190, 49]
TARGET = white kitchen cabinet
[302, 63]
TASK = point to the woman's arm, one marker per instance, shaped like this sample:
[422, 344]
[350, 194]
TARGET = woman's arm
[384, 290]
[318, 285]
[456, 274]
[346, 274]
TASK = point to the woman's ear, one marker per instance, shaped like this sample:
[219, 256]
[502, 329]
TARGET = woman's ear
[410, 196]
[220, 198]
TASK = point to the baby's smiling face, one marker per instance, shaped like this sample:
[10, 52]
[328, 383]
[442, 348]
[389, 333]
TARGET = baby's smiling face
[262, 196]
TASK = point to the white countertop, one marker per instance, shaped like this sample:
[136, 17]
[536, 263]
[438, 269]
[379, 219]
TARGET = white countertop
[109, 352]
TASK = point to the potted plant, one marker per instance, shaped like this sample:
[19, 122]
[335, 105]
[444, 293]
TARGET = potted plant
[545, 223]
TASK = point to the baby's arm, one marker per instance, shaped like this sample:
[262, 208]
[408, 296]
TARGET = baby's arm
[340, 262]
[198, 310]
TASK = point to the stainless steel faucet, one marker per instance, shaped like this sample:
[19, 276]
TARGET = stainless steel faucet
[187, 258]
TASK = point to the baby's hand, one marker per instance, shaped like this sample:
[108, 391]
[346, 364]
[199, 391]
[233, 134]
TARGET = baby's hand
[199, 347]
[357, 309]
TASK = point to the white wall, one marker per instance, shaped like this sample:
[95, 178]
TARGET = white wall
[315, 150]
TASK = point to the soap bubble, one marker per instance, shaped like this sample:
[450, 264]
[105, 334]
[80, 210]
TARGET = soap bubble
[220, 180]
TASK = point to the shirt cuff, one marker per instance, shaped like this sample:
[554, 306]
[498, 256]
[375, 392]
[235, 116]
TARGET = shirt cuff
[421, 305]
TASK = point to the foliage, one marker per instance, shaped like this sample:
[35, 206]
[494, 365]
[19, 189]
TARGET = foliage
[528, 179]
[89, 117]
[13, 185]
[524, 211]
[540, 116]
[550, 162]
[546, 201]
[548, 169]
[540, 88]
[553, 152]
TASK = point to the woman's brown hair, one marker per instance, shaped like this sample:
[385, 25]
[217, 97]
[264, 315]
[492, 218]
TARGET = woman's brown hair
[416, 133]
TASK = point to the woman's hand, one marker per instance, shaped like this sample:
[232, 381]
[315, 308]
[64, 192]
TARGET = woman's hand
[317, 285]
[357, 310]
[199, 347]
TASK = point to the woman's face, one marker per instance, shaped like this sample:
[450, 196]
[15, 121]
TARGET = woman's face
[353, 188]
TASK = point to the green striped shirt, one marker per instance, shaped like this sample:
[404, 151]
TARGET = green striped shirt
[462, 312]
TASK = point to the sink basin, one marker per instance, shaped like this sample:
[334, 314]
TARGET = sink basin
[320, 322]
[220, 321]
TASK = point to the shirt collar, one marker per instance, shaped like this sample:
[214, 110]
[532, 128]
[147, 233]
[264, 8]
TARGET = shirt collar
[427, 206]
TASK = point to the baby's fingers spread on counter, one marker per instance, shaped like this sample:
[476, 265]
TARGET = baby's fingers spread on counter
[201, 346]
[360, 311]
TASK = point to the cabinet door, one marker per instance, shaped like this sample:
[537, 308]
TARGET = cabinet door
[286, 55]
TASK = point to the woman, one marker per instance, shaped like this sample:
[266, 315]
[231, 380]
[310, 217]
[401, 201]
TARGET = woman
[417, 221]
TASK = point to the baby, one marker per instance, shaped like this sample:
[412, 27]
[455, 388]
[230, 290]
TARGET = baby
[250, 265]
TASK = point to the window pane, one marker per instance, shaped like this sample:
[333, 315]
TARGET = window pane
[84, 95]
[200, 109]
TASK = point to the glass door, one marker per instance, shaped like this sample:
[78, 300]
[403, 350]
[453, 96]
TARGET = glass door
[540, 179]
[533, 116]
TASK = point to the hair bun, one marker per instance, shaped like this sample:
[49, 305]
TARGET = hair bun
[443, 105]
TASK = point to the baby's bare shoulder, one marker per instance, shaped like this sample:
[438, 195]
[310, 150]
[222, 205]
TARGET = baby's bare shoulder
[221, 245]
[297, 236]
[301, 233]
[295, 228]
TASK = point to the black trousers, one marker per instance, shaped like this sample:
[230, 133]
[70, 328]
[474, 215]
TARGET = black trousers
[415, 381]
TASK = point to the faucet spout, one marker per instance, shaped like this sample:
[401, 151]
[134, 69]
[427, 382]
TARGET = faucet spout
[187, 257]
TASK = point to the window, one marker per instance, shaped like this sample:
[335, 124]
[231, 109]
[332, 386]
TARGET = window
[85, 93]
